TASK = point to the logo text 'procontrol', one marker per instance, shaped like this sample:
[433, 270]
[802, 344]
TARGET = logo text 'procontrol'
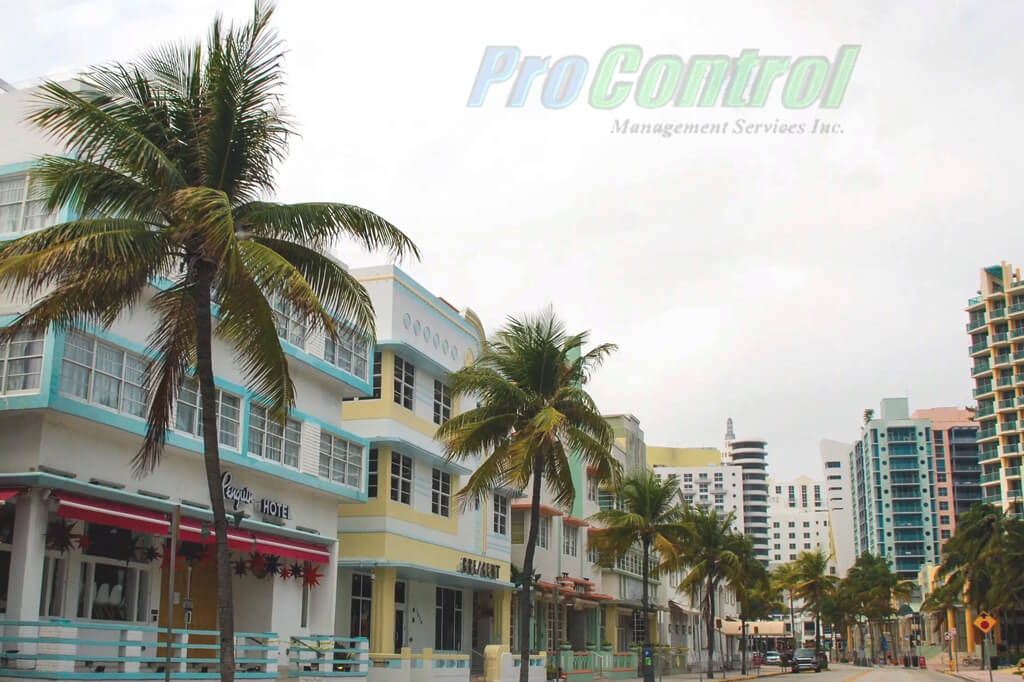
[666, 80]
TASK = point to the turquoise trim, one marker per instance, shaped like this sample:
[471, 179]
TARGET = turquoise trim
[364, 563]
[426, 456]
[41, 398]
[467, 332]
[45, 675]
[12, 168]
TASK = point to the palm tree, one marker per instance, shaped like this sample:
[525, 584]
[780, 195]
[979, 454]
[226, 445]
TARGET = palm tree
[815, 586]
[753, 591]
[533, 418]
[784, 579]
[878, 589]
[169, 160]
[650, 517]
[710, 551]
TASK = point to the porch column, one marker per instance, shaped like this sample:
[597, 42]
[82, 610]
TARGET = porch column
[382, 619]
[611, 625]
[969, 626]
[502, 600]
[29, 544]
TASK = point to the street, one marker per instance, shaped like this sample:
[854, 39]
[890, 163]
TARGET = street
[846, 673]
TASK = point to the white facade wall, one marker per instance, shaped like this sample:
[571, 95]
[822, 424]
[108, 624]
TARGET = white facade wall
[836, 462]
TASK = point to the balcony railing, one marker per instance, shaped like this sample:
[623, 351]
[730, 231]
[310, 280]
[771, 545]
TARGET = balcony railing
[1006, 427]
[986, 433]
[984, 411]
[975, 324]
[1016, 308]
[1017, 332]
[1018, 355]
[974, 301]
[989, 477]
[1003, 359]
[1005, 381]
[982, 390]
[978, 347]
[992, 499]
[981, 366]
[1013, 471]
[998, 313]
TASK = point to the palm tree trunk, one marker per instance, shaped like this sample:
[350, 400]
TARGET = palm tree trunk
[743, 645]
[645, 596]
[792, 620]
[211, 459]
[711, 628]
[525, 597]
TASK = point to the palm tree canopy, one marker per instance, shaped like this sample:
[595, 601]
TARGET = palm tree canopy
[650, 512]
[170, 164]
[813, 582]
[710, 551]
[984, 557]
[529, 384]
[876, 586]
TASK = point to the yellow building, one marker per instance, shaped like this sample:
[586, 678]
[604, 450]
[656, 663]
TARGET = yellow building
[415, 570]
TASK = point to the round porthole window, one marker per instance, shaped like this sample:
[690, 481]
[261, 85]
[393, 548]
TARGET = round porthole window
[437, 340]
[416, 327]
[444, 346]
[407, 320]
[426, 334]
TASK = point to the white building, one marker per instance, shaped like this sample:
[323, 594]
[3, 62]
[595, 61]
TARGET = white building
[836, 463]
[799, 519]
[750, 455]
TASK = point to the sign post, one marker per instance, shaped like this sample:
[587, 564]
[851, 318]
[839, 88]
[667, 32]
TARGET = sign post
[986, 624]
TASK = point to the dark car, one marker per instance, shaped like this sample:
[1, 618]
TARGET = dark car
[806, 659]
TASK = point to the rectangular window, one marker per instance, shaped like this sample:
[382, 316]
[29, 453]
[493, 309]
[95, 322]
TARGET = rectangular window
[570, 540]
[593, 489]
[110, 591]
[442, 403]
[448, 620]
[401, 478]
[500, 525]
[350, 353]
[290, 325]
[341, 460]
[371, 474]
[944, 520]
[362, 601]
[441, 493]
[103, 374]
[518, 527]
[21, 364]
[269, 440]
[405, 376]
[943, 506]
[19, 213]
[544, 532]
[189, 414]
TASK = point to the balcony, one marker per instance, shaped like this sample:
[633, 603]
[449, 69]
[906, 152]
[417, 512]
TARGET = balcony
[1005, 381]
[992, 499]
[978, 347]
[984, 389]
[984, 411]
[1001, 337]
[1018, 355]
[1016, 308]
[977, 300]
[1007, 427]
[1017, 332]
[1007, 404]
[997, 313]
[989, 477]
[1001, 359]
[1013, 472]
[1017, 284]
[984, 434]
[980, 367]
[976, 324]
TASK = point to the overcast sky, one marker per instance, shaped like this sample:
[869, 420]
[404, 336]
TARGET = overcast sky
[786, 281]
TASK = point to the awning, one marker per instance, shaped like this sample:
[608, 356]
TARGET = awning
[107, 513]
[190, 530]
[8, 494]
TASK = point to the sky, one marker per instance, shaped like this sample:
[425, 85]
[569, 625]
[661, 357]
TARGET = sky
[786, 281]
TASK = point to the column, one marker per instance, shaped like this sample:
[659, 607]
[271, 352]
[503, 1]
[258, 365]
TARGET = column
[502, 600]
[611, 624]
[29, 544]
[969, 626]
[382, 619]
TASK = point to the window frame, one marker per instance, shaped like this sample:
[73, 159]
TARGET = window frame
[196, 428]
[442, 402]
[71, 364]
[372, 473]
[441, 604]
[290, 327]
[350, 462]
[441, 493]
[6, 360]
[364, 601]
[291, 426]
[570, 540]
[346, 356]
[405, 383]
[544, 532]
[402, 478]
[499, 515]
[23, 206]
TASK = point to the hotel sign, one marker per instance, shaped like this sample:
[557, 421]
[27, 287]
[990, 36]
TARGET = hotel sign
[481, 568]
[240, 496]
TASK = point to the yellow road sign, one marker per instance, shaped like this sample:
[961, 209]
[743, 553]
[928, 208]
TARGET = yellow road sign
[985, 622]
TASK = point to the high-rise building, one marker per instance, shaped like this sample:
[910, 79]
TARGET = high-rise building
[996, 328]
[750, 455]
[799, 519]
[957, 472]
[836, 462]
[893, 489]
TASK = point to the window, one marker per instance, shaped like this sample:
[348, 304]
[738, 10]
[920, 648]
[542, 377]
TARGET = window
[350, 353]
[401, 478]
[687, 478]
[441, 493]
[593, 488]
[945, 534]
[189, 414]
[405, 374]
[54, 580]
[940, 478]
[518, 527]
[448, 620]
[21, 363]
[371, 473]
[269, 440]
[570, 540]
[500, 524]
[544, 532]
[17, 212]
[442, 403]
[375, 381]
[103, 374]
[943, 506]
[362, 600]
[290, 325]
[944, 519]
[943, 492]
[341, 460]
[807, 524]
[110, 588]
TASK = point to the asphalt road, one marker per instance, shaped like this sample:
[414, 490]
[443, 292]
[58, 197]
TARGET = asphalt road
[847, 673]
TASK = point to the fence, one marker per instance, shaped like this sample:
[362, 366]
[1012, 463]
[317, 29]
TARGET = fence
[328, 656]
[107, 651]
[422, 667]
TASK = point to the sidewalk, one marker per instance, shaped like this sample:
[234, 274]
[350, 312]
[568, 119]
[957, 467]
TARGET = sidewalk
[982, 675]
[731, 675]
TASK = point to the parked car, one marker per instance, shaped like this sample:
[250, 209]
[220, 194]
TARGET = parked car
[773, 658]
[806, 659]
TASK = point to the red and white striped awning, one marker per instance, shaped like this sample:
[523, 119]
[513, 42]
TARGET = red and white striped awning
[191, 530]
[8, 494]
[94, 510]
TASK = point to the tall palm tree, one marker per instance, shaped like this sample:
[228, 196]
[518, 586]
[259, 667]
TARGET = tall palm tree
[878, 589]
[710, 553]
[815, 586]
[753, 591]
[784, 578]
[650, 517]
[533, 419]
[170, 160]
